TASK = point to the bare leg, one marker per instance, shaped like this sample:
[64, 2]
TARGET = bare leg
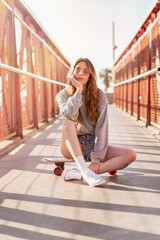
[70, 146]
[117, 158]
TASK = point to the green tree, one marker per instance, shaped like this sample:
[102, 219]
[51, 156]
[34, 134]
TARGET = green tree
[106, 76]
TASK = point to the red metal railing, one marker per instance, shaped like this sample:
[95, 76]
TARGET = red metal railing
[134, 91]
[26, 100]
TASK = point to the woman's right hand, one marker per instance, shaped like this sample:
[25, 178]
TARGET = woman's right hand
[94, 167]
[76, 84]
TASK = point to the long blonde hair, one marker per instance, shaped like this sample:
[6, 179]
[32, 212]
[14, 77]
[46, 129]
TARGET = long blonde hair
[91, 94]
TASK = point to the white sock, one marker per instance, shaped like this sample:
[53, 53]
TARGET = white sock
[81, 164]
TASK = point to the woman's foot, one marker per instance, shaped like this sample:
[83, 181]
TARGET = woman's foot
[70, 174]
[89, 177]
[92, 178]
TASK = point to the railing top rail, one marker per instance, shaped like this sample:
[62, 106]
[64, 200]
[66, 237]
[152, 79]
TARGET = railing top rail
[28, 74]
[36, 35]
[142, 75]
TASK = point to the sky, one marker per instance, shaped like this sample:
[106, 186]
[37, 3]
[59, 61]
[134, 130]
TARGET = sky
[83, 28]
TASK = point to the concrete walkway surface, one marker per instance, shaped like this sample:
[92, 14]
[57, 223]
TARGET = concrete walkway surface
[37, 205]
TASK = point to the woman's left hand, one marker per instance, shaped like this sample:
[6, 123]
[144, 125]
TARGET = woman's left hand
[94, 167]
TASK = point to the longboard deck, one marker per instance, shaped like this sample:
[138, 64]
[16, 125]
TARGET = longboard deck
[59, 164]
[58, 160]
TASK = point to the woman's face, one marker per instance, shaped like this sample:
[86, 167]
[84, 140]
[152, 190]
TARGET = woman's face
[81, 72]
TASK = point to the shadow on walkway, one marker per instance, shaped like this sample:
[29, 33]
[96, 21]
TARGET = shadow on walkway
[37, 205]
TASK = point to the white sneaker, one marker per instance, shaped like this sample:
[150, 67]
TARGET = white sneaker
[93, 179]
[69, 174]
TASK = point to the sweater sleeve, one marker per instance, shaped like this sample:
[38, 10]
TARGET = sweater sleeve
[101, 131]
[69, 105]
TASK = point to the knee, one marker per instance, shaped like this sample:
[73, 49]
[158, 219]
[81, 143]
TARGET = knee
[132, 156]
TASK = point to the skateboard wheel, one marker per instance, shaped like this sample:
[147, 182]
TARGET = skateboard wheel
[113, 173]
[58, 171]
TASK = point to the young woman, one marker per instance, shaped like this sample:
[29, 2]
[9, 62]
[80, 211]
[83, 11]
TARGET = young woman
[85, 127]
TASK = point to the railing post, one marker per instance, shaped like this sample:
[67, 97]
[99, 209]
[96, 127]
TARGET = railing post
[52, 92]
[35, 110]
[127, 97]
[148, 101]
[119, 92]
[149, 83]
[34, 91]
[57, 74]
[19, 127]
[45, 88]
[138, 101]
[132, 85]
[138, 96]
[122, 97]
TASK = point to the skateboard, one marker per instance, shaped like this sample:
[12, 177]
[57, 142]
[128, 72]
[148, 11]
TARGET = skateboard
[59, 165]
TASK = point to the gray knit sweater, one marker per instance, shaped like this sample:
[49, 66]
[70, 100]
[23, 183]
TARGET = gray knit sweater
[69, 108]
